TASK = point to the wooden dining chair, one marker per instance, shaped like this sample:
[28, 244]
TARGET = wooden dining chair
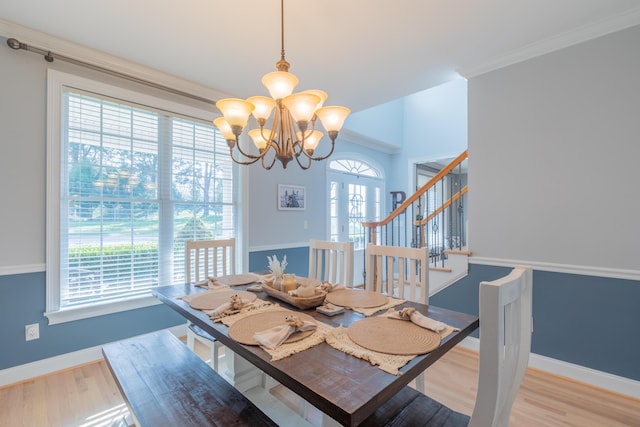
[505, 344]
[398, 271]
[205, 258]
[331, 262]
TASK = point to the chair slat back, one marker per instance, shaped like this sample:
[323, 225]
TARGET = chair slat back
[204, 258]
[331, 262]
[398, 271]
[505, 343]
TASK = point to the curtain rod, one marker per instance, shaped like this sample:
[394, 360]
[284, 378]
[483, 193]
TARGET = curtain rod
[50, 56]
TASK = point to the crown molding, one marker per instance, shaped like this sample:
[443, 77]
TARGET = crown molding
[79, 52]
[372, 143]
[561, 41]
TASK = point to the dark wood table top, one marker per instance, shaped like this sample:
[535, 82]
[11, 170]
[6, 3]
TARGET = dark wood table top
[344, 387]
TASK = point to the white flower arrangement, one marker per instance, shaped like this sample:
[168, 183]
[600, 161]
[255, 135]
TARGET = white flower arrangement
[277, 267]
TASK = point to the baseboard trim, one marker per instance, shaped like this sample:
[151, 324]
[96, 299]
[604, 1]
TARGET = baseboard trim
[48, 366]
[592, 377]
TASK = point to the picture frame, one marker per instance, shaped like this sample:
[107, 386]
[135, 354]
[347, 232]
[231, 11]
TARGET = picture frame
[291, 197]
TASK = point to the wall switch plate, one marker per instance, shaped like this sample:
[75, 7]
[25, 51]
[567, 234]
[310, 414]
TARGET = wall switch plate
[32, 332]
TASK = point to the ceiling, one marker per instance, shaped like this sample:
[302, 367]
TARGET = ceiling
[362, 52]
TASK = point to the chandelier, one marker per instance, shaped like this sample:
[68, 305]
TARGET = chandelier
[292, 132]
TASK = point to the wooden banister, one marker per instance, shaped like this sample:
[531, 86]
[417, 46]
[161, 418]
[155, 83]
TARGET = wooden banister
[417, 194]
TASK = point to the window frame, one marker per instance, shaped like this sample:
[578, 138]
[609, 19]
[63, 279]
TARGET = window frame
[57, 81]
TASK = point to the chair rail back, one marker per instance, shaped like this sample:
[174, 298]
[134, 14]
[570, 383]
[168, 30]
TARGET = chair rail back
[331, 262]
[204, 258]
[505, 343]
[396, 270]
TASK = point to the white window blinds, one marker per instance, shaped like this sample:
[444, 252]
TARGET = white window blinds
[136, 182]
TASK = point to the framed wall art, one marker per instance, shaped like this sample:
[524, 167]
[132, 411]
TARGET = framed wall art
[291, 197]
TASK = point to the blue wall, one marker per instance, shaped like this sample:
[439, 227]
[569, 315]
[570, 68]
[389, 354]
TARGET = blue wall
[585, 320]
[297, 260]
[22, 302]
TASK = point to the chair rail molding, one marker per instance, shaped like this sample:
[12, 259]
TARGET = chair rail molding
[613, 273]
[9, 270]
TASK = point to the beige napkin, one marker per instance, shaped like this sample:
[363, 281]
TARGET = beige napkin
[419, 319]
[234, 304]
[274, 337]
[328, 287]
[211, 283]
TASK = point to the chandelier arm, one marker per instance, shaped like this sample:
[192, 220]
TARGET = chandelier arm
[271, 165]
[290, 132]
[303, 167]
[322, 157]
[248, 155]
[240, 162]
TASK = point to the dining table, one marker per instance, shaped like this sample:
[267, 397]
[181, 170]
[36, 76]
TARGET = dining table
[345, 388]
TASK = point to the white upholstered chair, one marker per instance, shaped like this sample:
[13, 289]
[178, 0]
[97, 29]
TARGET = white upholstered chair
[204, 258]
[505, 343]
[398, 271]
[331, 262]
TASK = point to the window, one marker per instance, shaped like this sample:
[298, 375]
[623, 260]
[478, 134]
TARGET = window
[131, 179]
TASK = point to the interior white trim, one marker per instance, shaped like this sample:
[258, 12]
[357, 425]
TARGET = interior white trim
[9, 270]
[64, 361]
[278, 246]
[595, 378]
[614, 273]
[67, 48]
[100, 309]
[569, 38]
[367, 141]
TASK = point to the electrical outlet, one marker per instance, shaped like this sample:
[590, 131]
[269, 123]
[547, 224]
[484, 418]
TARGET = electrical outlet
[32, 332]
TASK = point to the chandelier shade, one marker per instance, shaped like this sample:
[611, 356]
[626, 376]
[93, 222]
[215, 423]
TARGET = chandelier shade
[292, 133]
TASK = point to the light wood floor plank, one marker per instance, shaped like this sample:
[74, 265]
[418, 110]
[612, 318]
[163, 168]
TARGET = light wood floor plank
[87, 396]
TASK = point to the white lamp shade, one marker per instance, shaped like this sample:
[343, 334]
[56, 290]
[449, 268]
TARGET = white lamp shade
[279, 83]
[258, 140]
[311, 139]
[235, 111]
[302, 106]
[333, 117]
[224, 128]
[263, 106]
[320, 93]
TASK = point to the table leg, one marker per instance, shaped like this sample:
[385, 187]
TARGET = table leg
[240, 373]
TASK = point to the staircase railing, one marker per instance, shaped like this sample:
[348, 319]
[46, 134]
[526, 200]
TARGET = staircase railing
[434, 216]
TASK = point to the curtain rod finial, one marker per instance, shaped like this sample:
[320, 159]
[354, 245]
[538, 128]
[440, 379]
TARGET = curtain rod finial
[14, 44]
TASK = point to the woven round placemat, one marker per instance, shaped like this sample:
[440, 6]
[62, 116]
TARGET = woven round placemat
[242, 331]
[392, 336]
[356, 299]
[213, 300]
[237, 279]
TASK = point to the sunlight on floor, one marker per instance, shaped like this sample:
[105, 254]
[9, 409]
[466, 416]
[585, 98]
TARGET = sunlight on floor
[110, 417]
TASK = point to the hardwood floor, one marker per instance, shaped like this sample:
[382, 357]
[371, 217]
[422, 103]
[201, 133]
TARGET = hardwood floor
[87, 396]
